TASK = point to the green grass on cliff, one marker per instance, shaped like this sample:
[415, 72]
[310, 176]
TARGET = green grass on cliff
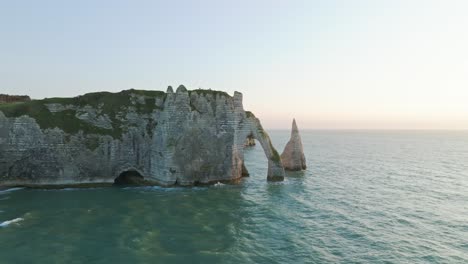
[65, 120]
[109, 103]
[209, 92]
[249, 114]
[275, 155]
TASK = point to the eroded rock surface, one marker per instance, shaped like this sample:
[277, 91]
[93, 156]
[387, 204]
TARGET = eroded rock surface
[183, 137]
[249, 141]
[293, 158]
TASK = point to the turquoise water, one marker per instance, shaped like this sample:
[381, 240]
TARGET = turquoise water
[368, 196]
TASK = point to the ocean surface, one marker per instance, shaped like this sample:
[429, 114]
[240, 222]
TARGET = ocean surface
[367, 197]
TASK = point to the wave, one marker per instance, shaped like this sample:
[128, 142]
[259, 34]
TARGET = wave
[9, 222]
[11, 190]
[67, 189]
[166, 189]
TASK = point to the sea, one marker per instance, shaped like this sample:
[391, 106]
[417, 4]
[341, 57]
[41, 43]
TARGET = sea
[366, 197]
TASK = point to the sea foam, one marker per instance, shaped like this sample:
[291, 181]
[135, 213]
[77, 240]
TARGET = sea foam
[10, 190]
[7, 223]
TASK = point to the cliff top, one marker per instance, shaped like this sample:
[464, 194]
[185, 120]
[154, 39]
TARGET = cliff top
[106, 103]
[107, 100]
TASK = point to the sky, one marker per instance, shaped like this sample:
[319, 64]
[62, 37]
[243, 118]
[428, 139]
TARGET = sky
[400, 64]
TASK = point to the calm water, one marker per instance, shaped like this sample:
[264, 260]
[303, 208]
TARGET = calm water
[372, 197]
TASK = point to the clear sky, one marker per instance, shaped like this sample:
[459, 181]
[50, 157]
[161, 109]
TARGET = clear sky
[331, 64]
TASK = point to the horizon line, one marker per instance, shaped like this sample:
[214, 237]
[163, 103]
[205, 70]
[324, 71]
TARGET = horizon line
[374, 129]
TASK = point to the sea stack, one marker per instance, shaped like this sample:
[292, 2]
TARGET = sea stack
[293, 155]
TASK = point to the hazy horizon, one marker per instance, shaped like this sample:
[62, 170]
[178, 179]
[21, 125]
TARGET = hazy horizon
[331, 65]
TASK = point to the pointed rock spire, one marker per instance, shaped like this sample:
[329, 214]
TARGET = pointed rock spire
[293, 155]
[295, 130]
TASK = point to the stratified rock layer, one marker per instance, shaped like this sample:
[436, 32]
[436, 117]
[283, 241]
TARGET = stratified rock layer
[293, 155]
[185, 138]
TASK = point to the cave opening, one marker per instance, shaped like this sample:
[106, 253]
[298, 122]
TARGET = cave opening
[130, 177]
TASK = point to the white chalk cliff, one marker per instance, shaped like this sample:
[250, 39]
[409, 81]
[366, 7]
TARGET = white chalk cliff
[145, 137]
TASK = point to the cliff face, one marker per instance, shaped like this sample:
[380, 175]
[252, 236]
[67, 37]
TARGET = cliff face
[148, 137]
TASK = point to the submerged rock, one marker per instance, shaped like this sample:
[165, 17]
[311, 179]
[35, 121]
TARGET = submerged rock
[293, 155]
[131, 137]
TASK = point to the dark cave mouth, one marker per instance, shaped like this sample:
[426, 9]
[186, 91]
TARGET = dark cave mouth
[130, 177]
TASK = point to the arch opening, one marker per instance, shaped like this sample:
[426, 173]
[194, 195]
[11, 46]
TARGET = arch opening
[254, 161]
[130, 177]
[248, 143]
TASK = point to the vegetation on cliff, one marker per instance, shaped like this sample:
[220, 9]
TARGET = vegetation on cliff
[249, 114]
[106, 104]
[208, 92]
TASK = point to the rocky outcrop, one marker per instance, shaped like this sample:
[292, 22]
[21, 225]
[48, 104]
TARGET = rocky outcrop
[5, 98]
[293, 158]
[145, 137]
[249, 141]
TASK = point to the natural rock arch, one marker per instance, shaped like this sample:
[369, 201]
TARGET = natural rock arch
[253, 129]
